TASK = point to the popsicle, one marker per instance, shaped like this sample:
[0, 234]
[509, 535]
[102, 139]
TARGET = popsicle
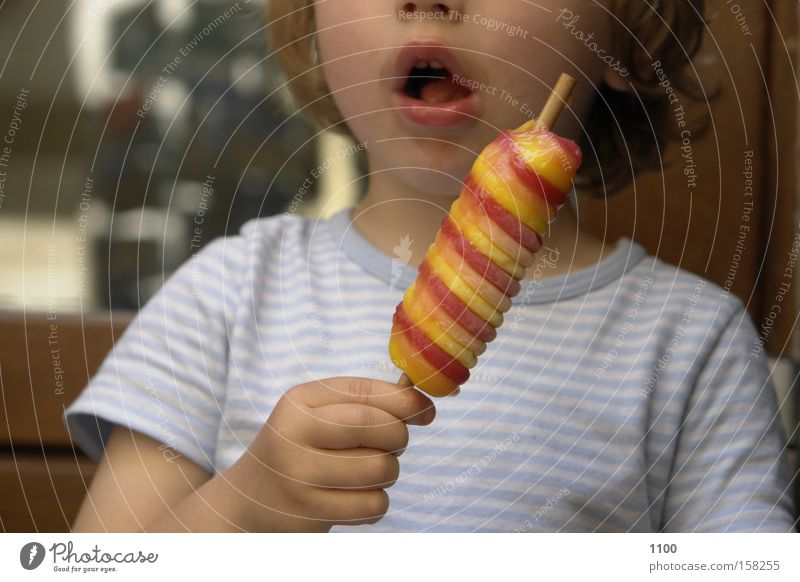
[490, 236]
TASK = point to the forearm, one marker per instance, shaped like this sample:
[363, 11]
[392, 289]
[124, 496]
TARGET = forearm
[224, 504]
[216, 506]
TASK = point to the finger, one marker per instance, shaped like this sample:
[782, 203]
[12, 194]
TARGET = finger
[348, 507]
[357, 469]
[350, 426]
[406, 403]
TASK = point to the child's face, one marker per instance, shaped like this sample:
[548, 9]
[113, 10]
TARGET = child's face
[499, 59]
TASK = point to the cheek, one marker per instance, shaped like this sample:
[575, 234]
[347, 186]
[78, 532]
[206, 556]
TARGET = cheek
[349, 41]
[355, 90]
[525, 66]
[547, 41]
[351, 54]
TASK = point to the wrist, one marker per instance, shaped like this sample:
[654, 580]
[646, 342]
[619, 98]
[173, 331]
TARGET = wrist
[255, 503]
[223, 498]
[241, 504]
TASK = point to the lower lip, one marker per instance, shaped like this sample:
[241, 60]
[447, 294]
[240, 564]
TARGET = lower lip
[439, 115]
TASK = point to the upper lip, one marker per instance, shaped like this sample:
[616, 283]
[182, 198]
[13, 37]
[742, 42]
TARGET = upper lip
[422, 49]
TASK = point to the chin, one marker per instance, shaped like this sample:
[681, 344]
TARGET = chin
[439, 187]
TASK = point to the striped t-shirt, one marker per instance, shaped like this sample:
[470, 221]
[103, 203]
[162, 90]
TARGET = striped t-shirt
[628, 396]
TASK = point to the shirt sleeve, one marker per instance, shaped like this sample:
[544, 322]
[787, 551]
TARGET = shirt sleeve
[166, 375]
[730, 472]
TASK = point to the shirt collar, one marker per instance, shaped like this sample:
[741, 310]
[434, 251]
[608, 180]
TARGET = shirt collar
[398, 275]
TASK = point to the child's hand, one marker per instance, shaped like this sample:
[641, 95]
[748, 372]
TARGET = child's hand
[326, 454]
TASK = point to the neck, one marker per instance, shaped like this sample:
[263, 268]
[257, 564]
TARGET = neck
[391, 211]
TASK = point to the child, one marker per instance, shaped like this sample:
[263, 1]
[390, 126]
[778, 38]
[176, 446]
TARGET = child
[255, 392]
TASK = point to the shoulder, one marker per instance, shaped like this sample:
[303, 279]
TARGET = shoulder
[687, 319]
[258, 244]
[695, 333]
[275, 227]
[223, 273]
[687, 296]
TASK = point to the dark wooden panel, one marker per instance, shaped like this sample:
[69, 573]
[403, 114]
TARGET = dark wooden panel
[781, 224]
[715, 228]
[44, 364]
[41, 493]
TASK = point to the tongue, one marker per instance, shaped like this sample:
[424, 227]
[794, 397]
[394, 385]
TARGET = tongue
[442, 91]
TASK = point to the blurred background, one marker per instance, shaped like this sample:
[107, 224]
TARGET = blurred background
[138, 120]
[133, 132]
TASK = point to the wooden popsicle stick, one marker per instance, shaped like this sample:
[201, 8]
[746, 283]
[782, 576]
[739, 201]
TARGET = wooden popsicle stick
[547, 118]
[557, 101]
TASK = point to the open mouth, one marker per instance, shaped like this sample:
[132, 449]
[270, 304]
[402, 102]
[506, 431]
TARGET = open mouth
[431, 86]
[433, 83]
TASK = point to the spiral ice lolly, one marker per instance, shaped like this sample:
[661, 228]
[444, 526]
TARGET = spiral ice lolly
[474, 267]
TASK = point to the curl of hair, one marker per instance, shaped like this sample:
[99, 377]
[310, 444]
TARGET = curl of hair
[626, 129]
[292, 41]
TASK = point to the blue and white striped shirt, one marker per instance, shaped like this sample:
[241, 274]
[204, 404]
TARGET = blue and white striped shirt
[629, 396]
